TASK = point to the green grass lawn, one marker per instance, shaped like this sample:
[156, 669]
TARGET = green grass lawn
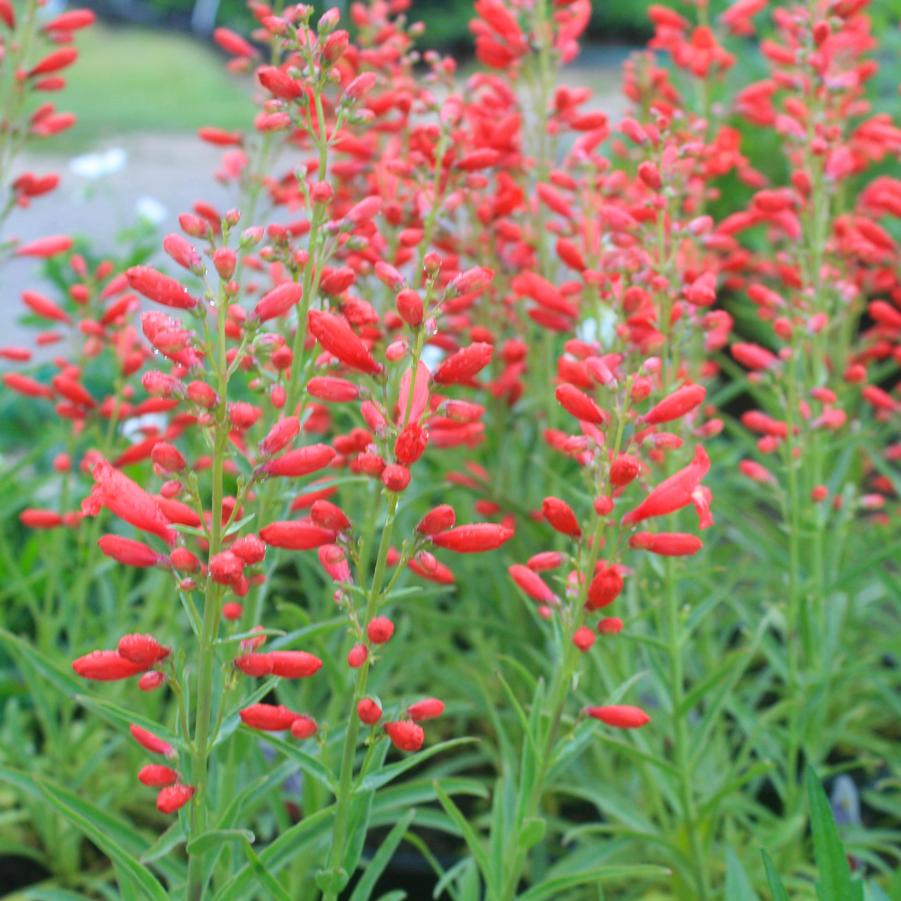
[131, 79]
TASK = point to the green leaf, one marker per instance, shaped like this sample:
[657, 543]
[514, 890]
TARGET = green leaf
[473, 842]
[835, 883]
[278, 853]
[552, 888]
[387, 774]
[382, 858]
[84, 817]
[265, 877]
[309, 764]
[170, 839]
[738, 886]
[120, 716]
[531, 832]
[216, 837]
[772, 878]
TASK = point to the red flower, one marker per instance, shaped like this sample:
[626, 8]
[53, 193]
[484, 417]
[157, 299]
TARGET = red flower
[405, 735]
[473, 539]
[621, 716]
[368, 711]
[129, 552]
[173, 798]
[143, 650]
[160, 288]
[334, 333]
[427, 709]
[296, 535]
[301, 462]
[676, 405]
[157, 775]
[673, 493]
[667, 544]
[151, 742]
[463, 366]
[268, 717]
[106, 666]
[561, 516]
[127, 500]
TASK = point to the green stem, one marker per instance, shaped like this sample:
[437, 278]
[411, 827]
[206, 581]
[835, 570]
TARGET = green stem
[202, 739]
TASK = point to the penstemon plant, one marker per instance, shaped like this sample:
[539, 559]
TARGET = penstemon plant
[491, 479]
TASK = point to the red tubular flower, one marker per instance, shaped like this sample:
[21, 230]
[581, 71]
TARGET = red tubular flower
[334, 333]
[129, 552]
[474, 538]
[427, 709]
[301, 462]
[439, 519]
[357, 656]
[40, 519]
[294, 664]
[173, 798]
[583, 638]
[268, 717]
[395, 477]
[281, 435]
[410, 444]
[561, 516]
[368, 711]
[329, 516]
[44, 307]
[45, 247]
[621, 716]
[379, 630]
[255, 665]
[151, 680]
[296, 535]
[673, 493]
[157, 775]
[233, 43]
[151, 742]
[127, 500]
[303, 727]
[531, 583]
[667, 544]
[143, 650]
[579, 404]
[278, 301]
[106, 666]
[333, 389]
[405, 735]
[676, 405]
[160, 288]
[463, 366]
[604, 588]
[610, 625]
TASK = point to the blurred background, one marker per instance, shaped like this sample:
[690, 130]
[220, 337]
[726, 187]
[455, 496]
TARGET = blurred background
[149, 75]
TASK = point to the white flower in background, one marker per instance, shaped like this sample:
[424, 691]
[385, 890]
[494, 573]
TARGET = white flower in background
[134, 429]
[99, 165]
[151, 210]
